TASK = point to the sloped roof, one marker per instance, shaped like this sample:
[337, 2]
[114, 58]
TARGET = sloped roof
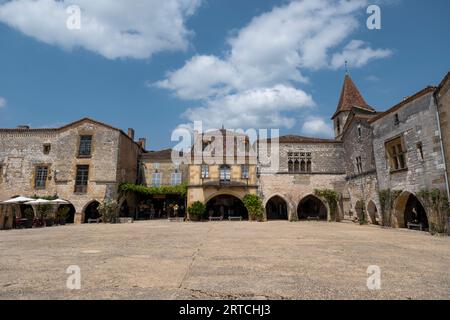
[351, 97]
[158, 155]
[443, 82]
[302, 139]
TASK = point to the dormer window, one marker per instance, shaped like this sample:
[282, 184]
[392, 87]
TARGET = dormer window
[396, 119]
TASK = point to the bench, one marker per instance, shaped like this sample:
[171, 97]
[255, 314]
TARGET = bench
[235, 218]
[313, 218]
[94, 220]
[126, 220]
[177, 219]
[215, 218]
[411, 225]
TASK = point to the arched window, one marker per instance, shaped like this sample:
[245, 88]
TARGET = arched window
[338, 125]
[309, 166]
[296, 166]
[291, 166]
[303, 166]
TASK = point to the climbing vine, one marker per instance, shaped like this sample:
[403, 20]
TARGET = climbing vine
[332, 197]
[436, 204]
[163, 190]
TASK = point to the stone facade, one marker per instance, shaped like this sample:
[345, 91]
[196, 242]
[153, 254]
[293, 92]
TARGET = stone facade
[113, 160]
[443, 98]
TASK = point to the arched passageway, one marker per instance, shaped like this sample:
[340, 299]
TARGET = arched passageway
[276, 209]
[226, 206]
[91, 211]
[410, 212]
[312, 207]
[360, 210]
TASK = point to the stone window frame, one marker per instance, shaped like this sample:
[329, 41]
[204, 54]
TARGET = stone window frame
[46, 148]
[91, 147]
[359, 166]
[156, 179]
[299, 162]
[81, 188]
[176, 178]
[396, 154]
[225, 173]
[245, 171]
[204, 171]
[421, 155]
[41, 176]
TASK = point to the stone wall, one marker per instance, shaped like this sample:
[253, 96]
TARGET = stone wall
[418, 124]
[444, 115]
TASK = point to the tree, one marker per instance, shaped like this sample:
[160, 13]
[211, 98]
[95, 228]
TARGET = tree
[254, 206]
[108, 211]
[197, 210]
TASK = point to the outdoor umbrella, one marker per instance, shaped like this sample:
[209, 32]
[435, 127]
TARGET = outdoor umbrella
[59, 201]
[17, 200]
[38, 202]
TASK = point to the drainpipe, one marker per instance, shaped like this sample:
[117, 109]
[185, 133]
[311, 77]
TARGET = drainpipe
[442, 144]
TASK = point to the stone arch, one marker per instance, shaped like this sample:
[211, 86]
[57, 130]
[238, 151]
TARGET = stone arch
[372, 211]
[314, 207]
[360, 209]
[240, 196]
[226, 205]
[90, 211]
[72, 212]
[124, 209]
[409, 209]
[277, 208]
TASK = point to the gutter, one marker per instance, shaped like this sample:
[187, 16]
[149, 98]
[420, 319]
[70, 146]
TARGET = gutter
[438, 118]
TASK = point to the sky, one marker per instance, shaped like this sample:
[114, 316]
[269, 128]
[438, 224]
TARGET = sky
[157, 65]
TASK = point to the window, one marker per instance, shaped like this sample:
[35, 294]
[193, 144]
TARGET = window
[205, 171]
[82, 178]
[156, 166]
[420, 151]
[225, 173]
[85, 146]
[299, 162]
[359, 167]
[359, 132]
[338, 125]
[156, 179]
[396, 119]
[176, 178]
[396, 154]
[40, 178]
[244, 171]
[46, 149]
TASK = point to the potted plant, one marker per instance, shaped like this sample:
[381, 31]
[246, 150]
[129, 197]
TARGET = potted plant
[254, 206]
[108, 211]
[43, 213]
[29, 218]
[196, 211]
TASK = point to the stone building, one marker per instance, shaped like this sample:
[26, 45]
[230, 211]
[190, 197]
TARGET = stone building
[158, 170]
[222, 172]
[305, 164]
[409, 157]
[443, 101]
[83, 162]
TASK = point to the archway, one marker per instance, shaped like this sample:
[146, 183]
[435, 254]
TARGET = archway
[91, 211]
[410, 211]
[276, 209]
[373, 212]
[226, 206]
[124, 210]
[70, 218]
[312, 207]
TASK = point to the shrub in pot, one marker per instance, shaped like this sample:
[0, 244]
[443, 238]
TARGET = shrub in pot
[196, 211]
[62, 214]
[254, 206]
[108, 211]
[29, 216]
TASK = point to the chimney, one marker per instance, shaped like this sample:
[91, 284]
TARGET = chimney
[23, 127]
[142, 142]
[131, 133]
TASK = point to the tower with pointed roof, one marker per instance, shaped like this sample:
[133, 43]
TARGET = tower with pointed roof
[351, 101]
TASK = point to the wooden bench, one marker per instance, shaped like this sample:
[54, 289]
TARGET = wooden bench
[177, 219]
[313, 218]
[235, 218]
[126, 220]
[215, 218]
[411, 225]
[94, 220]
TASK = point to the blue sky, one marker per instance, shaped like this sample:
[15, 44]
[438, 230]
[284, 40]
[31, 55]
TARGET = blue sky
[246, 63]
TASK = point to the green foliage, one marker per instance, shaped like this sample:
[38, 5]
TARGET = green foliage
[63, 212]
[437, 206]
[197, 210]
[254, 206]
[163, 190]
[44, 210]
[28, 213]
[108, 211]
[332, 198]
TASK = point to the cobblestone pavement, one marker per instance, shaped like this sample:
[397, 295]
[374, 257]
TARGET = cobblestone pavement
[224, 260]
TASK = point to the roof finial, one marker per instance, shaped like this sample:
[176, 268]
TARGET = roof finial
[346, 68]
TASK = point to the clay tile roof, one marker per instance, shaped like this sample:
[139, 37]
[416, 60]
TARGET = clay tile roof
[158, 155]
[351, 97]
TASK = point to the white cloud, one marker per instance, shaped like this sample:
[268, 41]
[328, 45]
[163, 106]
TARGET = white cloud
[2, 102]
[113, 29]
[358, 54]
[316, 126]
[256, 108]
[275, 48]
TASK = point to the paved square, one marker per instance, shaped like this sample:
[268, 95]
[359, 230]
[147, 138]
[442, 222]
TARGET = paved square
[275, 260]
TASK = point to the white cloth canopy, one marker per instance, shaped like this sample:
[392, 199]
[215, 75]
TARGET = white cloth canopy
[17, 200]
[59, 201]
[38, 201]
